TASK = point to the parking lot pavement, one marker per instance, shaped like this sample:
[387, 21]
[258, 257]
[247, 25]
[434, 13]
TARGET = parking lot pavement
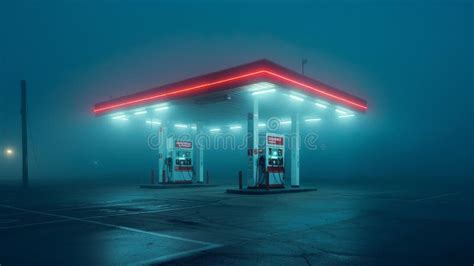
[205, 226]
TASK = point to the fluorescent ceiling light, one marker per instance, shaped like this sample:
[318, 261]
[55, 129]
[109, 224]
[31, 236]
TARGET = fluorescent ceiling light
[320, 105]
[194, 127]
[181, 125]
[140, 112]
[263, 91]
[286, 122]
[294, 97]
[153, 122]
[344, 116]
[312, 119]
[120, 117]
[235, 127]
[341, 112]
[214, 129]
[261, 124]
[161, 108]
[261, 86]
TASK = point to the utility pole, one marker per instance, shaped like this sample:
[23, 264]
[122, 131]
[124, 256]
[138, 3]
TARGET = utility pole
[303, 62]
[24, 134]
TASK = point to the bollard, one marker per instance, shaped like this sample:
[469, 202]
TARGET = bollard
[240, 179]
[152, 177]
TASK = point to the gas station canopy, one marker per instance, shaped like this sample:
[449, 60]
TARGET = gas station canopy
[223, 101]
[228, 92]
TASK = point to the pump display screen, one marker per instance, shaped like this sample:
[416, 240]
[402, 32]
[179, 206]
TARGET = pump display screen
[273, 152]
[275, 157]
[183, 158]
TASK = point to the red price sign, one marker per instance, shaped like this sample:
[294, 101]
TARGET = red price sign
[274, 140]
[184, 144]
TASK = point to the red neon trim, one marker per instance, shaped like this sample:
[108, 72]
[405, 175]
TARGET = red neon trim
[201, 86]
[319, 91]
[177, 91]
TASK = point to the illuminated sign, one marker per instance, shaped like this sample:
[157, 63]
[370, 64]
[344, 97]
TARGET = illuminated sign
[273, 140]
[183, 144]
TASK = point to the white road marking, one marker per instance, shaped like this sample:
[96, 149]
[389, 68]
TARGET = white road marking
[91, 217]
[96, 206]
[365, 193]
[114, 226]
[437, 196]
[92, 206]
[175, 256]
[190, 200]
[376, 192]
[145, 212]
[160, 259]
[33, 224]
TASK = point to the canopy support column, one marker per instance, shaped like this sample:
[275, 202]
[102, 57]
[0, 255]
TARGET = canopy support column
[295, 150]
[252, 142]
[162, 136]
[199, 155]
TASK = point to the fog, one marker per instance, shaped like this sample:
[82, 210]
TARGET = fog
[411, 62]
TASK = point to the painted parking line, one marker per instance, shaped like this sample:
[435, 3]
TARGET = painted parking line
[175, 256]
[365, 193]
[395, 191]
[113, 210]
[207, 245]
[98, 207]
[107, 204]
[118, 203]
[33, 224]
[67, 218]
[194, 200]
[146, 212]
[92, 206]
[81, 207]
[437, 196]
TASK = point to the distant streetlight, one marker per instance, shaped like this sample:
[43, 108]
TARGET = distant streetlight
[9, 152]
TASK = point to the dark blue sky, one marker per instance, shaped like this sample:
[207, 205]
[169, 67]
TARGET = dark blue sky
[412, 62]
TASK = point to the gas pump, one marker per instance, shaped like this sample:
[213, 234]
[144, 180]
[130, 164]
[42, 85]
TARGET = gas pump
[179, 162]
[272, 161]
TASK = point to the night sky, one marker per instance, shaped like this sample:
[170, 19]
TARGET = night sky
[413, 63]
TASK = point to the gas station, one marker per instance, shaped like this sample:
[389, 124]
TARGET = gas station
[267, 101]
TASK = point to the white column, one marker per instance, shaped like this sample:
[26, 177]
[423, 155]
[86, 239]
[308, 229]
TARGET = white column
[162, 136]
[295, 150]
[252, 142]
[199, 151]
